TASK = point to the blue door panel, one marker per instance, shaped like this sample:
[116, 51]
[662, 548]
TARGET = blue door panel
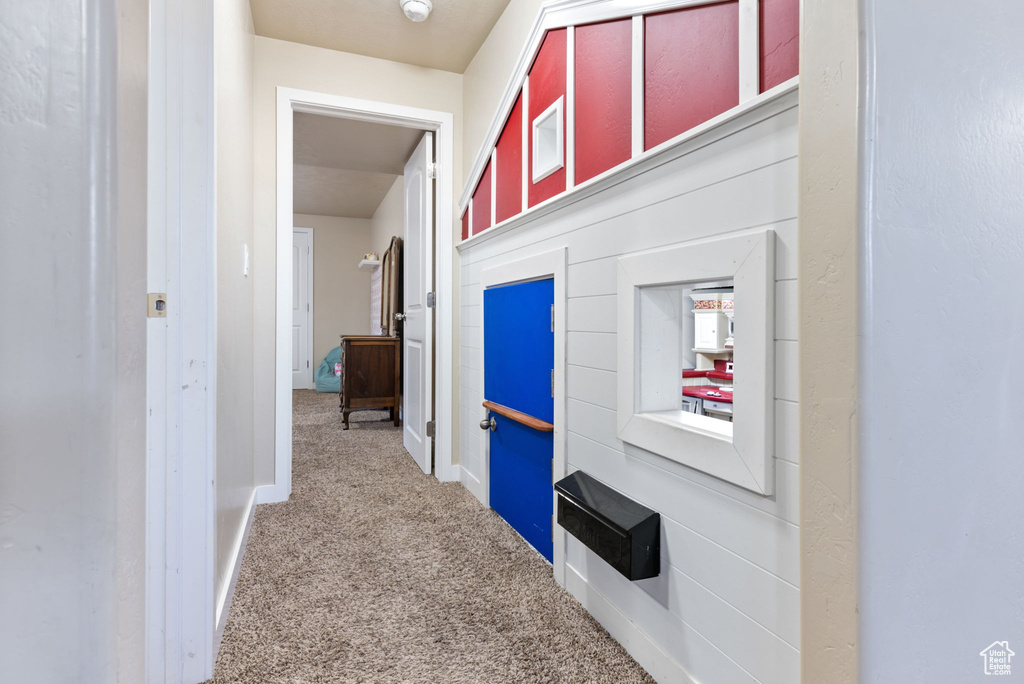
[519, 353]
[519, 347]
[521, 489]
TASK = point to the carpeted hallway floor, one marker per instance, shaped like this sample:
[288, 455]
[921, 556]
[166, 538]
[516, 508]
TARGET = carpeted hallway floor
[374, 572]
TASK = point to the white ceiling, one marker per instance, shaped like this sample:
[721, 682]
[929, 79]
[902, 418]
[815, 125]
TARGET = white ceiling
[447, 40]
[345, 167]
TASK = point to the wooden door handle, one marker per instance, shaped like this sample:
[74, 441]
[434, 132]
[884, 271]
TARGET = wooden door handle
[519, 417]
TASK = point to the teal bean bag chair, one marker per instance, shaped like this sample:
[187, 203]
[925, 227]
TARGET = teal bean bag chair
[326, 380]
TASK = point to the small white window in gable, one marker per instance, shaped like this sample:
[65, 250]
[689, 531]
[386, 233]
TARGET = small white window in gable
[678, 353]
[548, 142]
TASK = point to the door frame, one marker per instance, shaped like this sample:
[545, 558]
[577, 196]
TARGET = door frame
[290, 100]
[542, 266]
[312, 303]
[181, 349]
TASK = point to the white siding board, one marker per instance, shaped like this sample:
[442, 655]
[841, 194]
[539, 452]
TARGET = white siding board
[470, 337]
[472, 315]
[786, 365]
[469, 379]
[757, 650]
[763, 539]
[598, 424]
[592, 314]
[786, 255]
[471, 359]
[786, 320]
[589, 384]
[702, 659]
[592, 350]
[766, 598]
[752, 200]
[591, 278]
[787, 431]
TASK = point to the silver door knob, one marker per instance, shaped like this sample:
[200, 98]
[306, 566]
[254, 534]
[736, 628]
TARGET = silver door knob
[489, 423]
[399, 316]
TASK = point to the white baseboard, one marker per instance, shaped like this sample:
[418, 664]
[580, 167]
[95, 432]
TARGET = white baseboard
[453, 473]
[650, 656]
[272, 494]
[474, 485]
[224, 601]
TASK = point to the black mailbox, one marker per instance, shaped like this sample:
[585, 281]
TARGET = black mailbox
[622, 532]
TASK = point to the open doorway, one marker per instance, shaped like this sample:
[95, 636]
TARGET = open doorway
[344, 174]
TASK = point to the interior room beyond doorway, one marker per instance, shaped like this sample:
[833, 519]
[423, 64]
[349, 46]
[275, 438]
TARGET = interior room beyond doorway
[362, 201]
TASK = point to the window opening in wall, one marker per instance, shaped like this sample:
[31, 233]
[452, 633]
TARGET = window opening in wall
[685, 355]
[548, 142]
[676, 332]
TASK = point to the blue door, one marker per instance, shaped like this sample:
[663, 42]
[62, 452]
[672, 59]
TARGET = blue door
[519, 355]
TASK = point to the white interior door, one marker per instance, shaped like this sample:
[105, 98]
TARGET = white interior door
[418, 329]
[302, 308]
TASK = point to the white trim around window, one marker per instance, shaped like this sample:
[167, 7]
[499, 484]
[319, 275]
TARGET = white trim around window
[741, 452]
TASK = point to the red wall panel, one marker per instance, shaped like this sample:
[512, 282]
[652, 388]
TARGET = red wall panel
[691, 68]
[603, 96]
[482, 202]
[547, 84]
[780, 41]
[465, 224]
[509, 200]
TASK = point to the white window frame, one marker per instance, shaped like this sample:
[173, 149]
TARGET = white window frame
[556, 111]
[746, 458]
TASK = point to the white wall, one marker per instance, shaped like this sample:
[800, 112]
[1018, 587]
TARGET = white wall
[341, 290]
[72, 346]
[726, 605]
[389, 219]
[233, 93]
[942, 318]
[280, 63]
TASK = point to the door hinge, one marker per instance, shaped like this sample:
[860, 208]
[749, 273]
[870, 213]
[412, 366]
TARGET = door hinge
[430, 429]
[307, 306]
[431, 300]
[552, 318]
[552, 383]
[307, 364]
[432, 171]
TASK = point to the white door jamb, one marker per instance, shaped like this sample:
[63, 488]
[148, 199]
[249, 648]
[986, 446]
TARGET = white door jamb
[290, 100]
[181, 358]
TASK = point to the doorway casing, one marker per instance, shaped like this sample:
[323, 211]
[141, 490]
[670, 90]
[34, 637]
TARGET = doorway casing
[289, 101]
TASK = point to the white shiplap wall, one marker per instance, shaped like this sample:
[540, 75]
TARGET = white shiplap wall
[725, 608]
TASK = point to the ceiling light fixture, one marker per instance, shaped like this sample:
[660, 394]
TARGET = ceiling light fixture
[417, 10]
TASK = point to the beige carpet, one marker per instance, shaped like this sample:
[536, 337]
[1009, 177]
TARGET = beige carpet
[374, 572]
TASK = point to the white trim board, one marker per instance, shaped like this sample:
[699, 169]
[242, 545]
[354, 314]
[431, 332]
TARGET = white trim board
[551, 264]
[741, 452]
[181, 349]
[290, 100]
[237, 556]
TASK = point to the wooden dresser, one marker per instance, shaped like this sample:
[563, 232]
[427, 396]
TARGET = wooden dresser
[370, 374]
